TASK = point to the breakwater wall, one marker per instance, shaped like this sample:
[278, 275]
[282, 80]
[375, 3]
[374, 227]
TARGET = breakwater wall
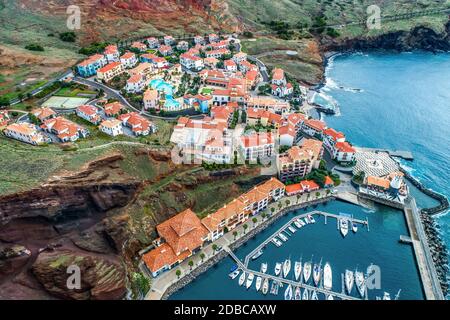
[239, 242]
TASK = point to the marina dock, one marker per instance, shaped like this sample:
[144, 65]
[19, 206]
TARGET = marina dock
[407, 155]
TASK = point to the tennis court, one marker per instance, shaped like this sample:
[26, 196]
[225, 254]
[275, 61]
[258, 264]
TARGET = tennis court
[64, 102]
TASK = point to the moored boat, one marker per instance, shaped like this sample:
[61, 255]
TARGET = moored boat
[349, 279]
[301, 222]
[330, 297]
[305, 295]
[386, 296]
[288, 293]
[298, 269]
[257, 255]
[249, 282]
[317, 272]
[307, 271]
[234, 274]
[276, 242]
[360, 282]
[314, 295]
[297, 224]
[354, 227]
[311, 218]
[298, 294]
[292, 229]
[265, 286]
[327, 277]
[258, 283]
[343, 226]
[277, 268]
[242, 278]
[264, 267]
[283, 237]
[274, 288]
[286, 267]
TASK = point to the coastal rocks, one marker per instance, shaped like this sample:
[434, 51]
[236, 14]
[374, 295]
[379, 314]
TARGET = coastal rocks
[100, 278]
[12, 258]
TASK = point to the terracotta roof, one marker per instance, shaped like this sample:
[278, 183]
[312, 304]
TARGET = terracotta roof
[23, 128]
[313, 145]
[315, 124]
[328, 181]
[294, 188]
[335, 135]
[309, 184]
[189, 56]
[136, 78]
[164, 48]
[295, 118]
[162, 256]
[110, 67]
[229, 63]
[127, 55]
[113, 108]
[113, 123]
[345, 147]
[278, 74]
[88, 110]
[151, 94]
[111, 49]
[287, 130]
[379, 182]
[43, 113]
[91, 60]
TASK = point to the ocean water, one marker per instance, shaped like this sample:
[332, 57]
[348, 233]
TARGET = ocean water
[398, 101]
[321, 241]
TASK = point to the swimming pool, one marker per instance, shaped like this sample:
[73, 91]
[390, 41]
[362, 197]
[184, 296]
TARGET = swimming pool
[159, 84]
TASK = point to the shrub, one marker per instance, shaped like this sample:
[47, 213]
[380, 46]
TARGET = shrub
[34, 47]
[69, 36]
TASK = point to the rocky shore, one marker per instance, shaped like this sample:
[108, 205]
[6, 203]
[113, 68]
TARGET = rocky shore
[222, 254]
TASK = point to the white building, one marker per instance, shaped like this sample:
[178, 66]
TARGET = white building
[128, 60]
[112, 127]
[191, 62]
[25, 132]
[153, 43]
[183, 46]
[112, 53]
[257, 146]
[135, 84]
[151, 99]
[88, 113]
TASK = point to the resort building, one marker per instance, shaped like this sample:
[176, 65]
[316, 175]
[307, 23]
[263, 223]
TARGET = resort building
[225, 96]
[344, 152]
[199, 40]
[230, 65]
[211, 62]
[252, 78]
[269, 104]
[137, 123]
[219, 53]
[112, 53]
[89, 67]
[152, 43]
[165, 50]
[245, 66]
[179, 238]
[330, 138]
[191, 62]
[139, 46]
[136, 84]
[390, 188]
[313, 127]
[224, 113]
[213, 38]
[65, 130]
[239, 210]
[287, 135]
[111, 127]
[280, 87]
[183, 46]
[257, 146]
[169, 40]
[128, 60]
[223, 44]
[108, 72]
[239, 57]
[113, 109]
[299, 161]
[43, 113]
[337, 147]
[25, 132]
[296, 120]
[88, 113]
[144, 69]
[302, 187]
[151, 99]
[263, 117]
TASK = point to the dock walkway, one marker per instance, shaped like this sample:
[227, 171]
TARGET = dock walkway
[407, 155]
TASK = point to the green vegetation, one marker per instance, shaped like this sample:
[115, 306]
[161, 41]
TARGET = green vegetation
[69, 36]
[93, 48]
[34, 47]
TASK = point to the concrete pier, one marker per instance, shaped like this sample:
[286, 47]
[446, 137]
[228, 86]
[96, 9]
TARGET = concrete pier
[407, 155]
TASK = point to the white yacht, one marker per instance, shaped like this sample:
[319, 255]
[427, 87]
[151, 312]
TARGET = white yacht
[249, 282]
[314, 295]
[234, 274]
[277, 269]
[297, 224]
[354, 227]
[265, 286]
[303, 223]
[360, 282]
[317, 272]
[257, 255]
[276, 242]
[343, 226]
[242, 279]
[288, 293]
[286, 267]
[292, 229]
[305, 295]
[283, 237]
[298, 294]
[307, 221]
[258, 283]
[307, 271]
[311, 218]
[327, 277]
[298, 269]
[264, 267]
[349, 279]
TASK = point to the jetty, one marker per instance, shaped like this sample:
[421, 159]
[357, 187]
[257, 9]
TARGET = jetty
[407, 155]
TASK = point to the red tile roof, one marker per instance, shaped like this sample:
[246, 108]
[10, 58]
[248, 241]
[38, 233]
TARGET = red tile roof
[345, 147]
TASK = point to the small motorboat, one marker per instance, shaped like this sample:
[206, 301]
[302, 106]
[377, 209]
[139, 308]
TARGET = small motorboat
[288, 293]
[360, 282]
[307, 221]
[349, 279]
[311, 218]
[276, 242]
[274, 288]
[257, 255]
[305, 295]
[249, 282]
[307, 271]
[258, 283]
[343, 226]
[292, 229]
[234, 274]
[386, 296]
[298, 269]
[265, 286]
[277, 269]
[354, 227]
[327, 277]
[330, 297]
[302, 223]
[283, 237]
[317, 272]
[286, 267]
[297, 224]
[242, 279]
[264, 267]
[298, 294]
[314, 295]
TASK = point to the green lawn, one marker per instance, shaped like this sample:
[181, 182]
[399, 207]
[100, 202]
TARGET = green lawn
[207, 91]
[74, 92]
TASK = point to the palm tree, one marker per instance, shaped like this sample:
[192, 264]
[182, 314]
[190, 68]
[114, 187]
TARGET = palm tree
[191, 264]
[264, 215]
[235, 234]
[245, 226]
[178, 273]
[317, 195]
[328, 192]
[307, 196]
[280, 205]
[298, 198]
[202, 256]
[255, 220]
[214, 247]
[288, 202]
[272, 210]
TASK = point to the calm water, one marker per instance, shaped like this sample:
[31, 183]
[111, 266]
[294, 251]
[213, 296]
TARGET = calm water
[404, 104]
[379, 246]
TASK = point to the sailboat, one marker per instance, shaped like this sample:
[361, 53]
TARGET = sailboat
[288, 293]
[286, 267]
[249, 282]
[386, 296]
[305, 295]
[242, 278]
[314, 295]
[317, 272]
[349, 279]
[327, 277]
[360, 282]
[264, 267]
[330, 297]
[258, 283]
[265, 287]
[307, 271]
[343, 226]
[277, 268]
[298, 294]
[274, 288]
[298, 269]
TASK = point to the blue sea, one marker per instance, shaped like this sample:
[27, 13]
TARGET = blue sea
[396, 101]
